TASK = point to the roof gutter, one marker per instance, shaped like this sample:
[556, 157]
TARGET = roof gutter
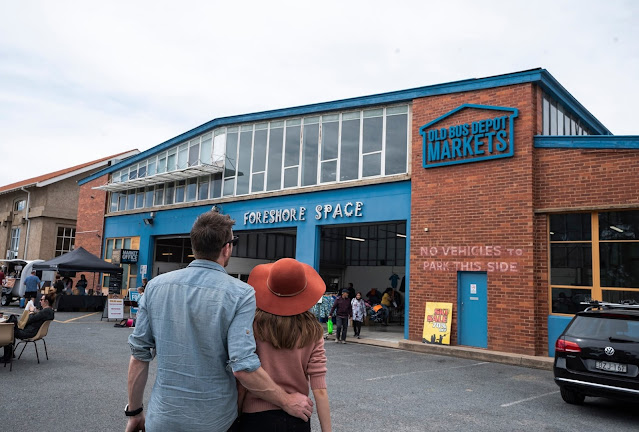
[26, 217]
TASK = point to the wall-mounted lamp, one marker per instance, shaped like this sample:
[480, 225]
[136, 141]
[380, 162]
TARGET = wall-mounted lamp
[216, 208]
[149, 220]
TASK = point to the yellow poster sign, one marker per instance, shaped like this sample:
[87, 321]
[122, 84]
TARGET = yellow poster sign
[437, 323]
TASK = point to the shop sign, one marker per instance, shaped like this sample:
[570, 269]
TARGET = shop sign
[322, 212]
[437, 321]
[129, 256]
[491, 137]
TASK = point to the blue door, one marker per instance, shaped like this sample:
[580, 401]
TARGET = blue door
[472, 322]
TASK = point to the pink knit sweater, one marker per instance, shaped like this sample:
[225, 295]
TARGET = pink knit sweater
[290, 369]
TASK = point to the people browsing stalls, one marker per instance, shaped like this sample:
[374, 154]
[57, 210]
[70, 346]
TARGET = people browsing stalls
[81, 285]
[359, 312]
[289, 342]
[388, 301]
[35, 321]
[343, 310]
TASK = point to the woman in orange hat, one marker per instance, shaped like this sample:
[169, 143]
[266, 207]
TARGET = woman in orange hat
[290, 344]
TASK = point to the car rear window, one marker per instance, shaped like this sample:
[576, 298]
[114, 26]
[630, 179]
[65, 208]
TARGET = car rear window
[604, 327]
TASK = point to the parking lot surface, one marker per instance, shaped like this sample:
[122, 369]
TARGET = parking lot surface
[82, 387]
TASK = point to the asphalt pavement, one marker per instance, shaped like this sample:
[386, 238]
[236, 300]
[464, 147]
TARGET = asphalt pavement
[82, 387]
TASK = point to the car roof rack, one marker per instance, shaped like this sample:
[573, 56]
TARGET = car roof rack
[596, 304]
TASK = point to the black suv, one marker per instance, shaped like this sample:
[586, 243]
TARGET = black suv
[598, 354]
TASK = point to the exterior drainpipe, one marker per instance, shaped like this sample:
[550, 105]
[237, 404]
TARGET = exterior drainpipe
[26, 217]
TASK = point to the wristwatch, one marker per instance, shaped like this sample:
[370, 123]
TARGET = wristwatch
[132, 413]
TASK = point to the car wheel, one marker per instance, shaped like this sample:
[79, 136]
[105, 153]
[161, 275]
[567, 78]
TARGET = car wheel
[571, 396]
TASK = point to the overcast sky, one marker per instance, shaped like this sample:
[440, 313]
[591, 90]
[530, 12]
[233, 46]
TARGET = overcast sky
[80, 80]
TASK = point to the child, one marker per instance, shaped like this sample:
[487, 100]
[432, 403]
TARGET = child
[290, 344]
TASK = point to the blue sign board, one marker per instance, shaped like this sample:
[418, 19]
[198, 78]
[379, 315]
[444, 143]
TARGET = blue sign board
[489, 138]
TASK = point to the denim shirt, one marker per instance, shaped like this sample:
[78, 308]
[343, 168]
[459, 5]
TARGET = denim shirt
[198, 323]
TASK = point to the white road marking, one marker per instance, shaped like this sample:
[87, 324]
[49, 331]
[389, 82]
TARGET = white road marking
[423, 371]
[529, 399]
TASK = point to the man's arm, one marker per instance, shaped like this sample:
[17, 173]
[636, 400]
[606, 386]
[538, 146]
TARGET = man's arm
[138, 374]
[260, 383]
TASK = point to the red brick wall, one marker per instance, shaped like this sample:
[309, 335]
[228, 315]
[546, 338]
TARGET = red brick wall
[487, 203]
[90, 224]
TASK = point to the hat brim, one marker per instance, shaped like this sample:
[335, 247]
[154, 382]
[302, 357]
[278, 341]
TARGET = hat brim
[286, 306]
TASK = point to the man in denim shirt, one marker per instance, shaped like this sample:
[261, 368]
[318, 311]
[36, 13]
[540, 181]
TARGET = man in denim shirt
[198, 322]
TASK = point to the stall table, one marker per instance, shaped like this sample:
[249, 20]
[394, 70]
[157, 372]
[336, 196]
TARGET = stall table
[84, 303]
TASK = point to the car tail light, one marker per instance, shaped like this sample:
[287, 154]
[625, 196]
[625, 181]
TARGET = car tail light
[563, 345]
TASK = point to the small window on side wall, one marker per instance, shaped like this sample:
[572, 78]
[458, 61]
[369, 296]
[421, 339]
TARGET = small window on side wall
[19, 205]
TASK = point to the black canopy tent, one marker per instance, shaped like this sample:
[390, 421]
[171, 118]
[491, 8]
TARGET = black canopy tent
[79, 260]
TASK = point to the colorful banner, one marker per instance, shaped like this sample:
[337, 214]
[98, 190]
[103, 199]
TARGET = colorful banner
[437, 323]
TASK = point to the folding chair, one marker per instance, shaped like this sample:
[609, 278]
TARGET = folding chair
[39, 336]
[7, 338]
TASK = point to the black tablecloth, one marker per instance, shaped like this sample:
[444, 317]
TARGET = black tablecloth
[75, 303]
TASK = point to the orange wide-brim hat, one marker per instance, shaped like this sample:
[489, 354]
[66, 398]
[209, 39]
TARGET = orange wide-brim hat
[286, 287]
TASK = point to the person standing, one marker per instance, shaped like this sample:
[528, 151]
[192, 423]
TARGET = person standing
[198, 323]
[387, 303]
[81, 285]
[32, 284]
[342, 309]
[290, 344]
[351, 291]
[359, 312]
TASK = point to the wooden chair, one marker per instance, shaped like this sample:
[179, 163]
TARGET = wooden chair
[44, 329]
[7, 338]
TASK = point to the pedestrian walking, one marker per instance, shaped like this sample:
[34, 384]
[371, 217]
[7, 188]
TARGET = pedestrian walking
[342, 309]
[290, 344]
[359, 312]
[198, 323]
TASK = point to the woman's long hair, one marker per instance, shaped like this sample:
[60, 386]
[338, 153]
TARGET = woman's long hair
[287, 332]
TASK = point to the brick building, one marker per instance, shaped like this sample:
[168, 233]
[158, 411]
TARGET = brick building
[503, 196]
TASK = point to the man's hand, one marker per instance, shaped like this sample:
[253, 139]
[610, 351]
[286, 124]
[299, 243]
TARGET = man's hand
[299, 405]
[136, 423]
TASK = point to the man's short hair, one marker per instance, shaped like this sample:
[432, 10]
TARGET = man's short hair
[210, 232]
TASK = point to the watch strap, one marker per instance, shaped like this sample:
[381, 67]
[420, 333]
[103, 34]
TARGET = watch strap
[132, 413]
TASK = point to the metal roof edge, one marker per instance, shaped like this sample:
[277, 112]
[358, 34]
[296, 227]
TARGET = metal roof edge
[612, 142]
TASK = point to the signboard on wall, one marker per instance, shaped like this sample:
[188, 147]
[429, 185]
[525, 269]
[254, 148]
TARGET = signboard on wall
[125, 256]
[437, 322]
[456, 137]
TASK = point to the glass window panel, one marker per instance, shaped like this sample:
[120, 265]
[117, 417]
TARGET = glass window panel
[259, 150]
[309, 154]
[148, 198]
[290, 177]
[378, 112]
[191, 189]
[130, 200]
[571, 264]
[182, 158]
[122, 202]
[142, 171]
[116, 177]
[372, 134]
[330, 138]
[127, 243]
[171, 161]
[619, 264]
[219, 144]
[619, 225]
[349, 158]
[371, 164]
[162, 164]
[258, 182]
[570, 227]
[292, 147]
[620, 296]
[553, 119]
[329, 171]
[203, 188]
[109, 249]
[124, 177]
[133, 172]
[546, 117]
[244, 162]
[205, 149]
[274, 172]
[396, 144]
[114, 201]
[118, 244]
[139, 198]
[397, 110]
[229, 186]
[560, 121]
[179, 191]
[152, 166]
[194, 153]
[231, 155]
[216, 185]
[568, 301]
[159, 195]
[573, 127]
[168, 195]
